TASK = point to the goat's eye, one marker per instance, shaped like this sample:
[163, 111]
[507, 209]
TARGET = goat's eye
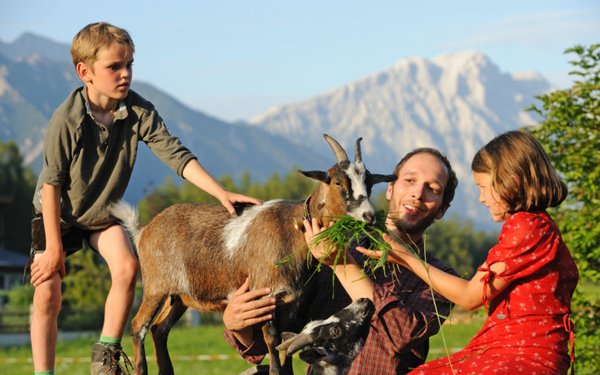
[335, 332]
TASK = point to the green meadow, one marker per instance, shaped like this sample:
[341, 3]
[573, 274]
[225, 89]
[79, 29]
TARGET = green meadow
[197, 350]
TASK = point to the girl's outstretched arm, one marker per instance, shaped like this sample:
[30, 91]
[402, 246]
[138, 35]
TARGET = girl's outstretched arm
[465, 293]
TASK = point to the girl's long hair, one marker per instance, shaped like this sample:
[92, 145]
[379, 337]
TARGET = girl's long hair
[522, 174]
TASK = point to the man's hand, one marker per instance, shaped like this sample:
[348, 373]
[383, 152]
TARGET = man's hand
[247, 308]
[47, 264]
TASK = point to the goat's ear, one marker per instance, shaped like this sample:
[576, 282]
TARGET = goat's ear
[317, 175]
[287, 335]
[286, 340]
[374, 178]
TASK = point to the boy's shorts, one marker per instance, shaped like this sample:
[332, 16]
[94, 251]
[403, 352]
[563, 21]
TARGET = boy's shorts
[72, 237]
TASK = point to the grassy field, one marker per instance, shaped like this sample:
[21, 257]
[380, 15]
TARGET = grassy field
[202, 350]
[190, 350]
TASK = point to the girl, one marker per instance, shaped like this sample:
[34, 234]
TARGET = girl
[528, 278]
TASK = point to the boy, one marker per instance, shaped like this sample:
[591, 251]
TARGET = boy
[89, 153]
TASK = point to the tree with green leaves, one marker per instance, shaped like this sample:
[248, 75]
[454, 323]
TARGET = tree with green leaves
[17, 184]
[570, 132]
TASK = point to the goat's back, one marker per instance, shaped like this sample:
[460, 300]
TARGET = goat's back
[199, 250]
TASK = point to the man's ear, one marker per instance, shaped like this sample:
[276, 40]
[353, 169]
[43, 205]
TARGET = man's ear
[441, 212]
[84, 72]
[388, 191]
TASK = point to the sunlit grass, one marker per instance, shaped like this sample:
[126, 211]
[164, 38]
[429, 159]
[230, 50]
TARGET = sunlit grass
[186, 346]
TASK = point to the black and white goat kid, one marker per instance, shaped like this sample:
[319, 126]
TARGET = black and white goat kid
[330, 345]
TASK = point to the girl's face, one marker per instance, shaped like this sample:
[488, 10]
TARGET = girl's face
[487, 195]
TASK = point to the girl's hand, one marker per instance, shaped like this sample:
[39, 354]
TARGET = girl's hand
[320, 252]
[398, 253]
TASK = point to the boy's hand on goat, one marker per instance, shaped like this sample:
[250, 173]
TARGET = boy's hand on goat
[247, 308]
[230, 198]
[325, 254]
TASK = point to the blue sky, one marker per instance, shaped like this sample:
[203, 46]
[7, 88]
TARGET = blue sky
[235, 59]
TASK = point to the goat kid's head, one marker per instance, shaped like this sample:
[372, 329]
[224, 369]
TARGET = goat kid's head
[335, 341]
[346, 186]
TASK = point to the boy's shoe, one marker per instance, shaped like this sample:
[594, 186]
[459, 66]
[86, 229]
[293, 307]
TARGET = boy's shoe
[105, 359]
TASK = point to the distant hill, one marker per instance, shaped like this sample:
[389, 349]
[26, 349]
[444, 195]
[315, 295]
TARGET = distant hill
[36, 76]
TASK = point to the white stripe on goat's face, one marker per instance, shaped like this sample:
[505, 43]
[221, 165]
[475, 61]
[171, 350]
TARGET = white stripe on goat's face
[359, 206]
[234, 232]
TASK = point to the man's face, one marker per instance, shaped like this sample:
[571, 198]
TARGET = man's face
[416, 196]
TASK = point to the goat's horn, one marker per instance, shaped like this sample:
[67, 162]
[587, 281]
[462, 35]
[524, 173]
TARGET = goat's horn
[296, 343]
[357, 154]
[340, 154]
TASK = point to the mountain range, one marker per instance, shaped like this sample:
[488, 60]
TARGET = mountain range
[455, 102]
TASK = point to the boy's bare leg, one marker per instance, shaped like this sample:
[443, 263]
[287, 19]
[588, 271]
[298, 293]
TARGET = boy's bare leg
[44, 322]
[114, 246]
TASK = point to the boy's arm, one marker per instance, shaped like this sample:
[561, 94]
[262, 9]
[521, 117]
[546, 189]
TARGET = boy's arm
[198, 176]
[53, 258]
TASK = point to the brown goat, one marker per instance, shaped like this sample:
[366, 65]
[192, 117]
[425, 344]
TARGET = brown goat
[196, 255]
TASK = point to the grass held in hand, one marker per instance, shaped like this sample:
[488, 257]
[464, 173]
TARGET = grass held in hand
[347, 229]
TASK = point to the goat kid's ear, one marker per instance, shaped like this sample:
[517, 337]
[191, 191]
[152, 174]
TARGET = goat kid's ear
[286, 340]
[375, 178]
[317, 175]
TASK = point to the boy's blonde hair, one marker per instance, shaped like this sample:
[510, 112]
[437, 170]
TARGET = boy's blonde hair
[522, 174]
[94, 37]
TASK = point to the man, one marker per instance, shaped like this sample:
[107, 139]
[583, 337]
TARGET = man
[406, 312]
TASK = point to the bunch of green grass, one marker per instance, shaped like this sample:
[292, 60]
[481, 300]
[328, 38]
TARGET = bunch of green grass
[346, 230]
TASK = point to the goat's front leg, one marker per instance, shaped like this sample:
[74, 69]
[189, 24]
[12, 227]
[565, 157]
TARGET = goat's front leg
[272, 338]
[148, 309]
[168, 316]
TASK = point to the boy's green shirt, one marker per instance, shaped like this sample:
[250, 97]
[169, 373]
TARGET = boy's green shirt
[93, 163]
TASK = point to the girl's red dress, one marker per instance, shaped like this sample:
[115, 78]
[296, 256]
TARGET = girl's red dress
[528, 328]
